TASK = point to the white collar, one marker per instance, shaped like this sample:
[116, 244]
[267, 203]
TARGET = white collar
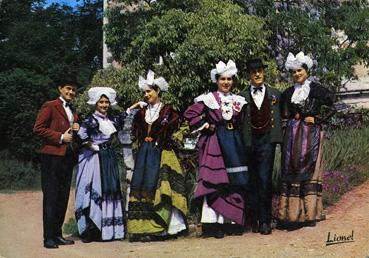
[63, 100]
[305, 84]
[222, 94]
[301, 92]
[262, 86]
[105, 125]
[152, 113]
[154, 106]
[100, 115]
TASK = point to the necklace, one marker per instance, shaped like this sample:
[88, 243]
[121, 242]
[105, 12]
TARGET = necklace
[152, 113]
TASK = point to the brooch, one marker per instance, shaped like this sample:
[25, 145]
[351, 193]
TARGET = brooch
[236, 106]
[274, 100]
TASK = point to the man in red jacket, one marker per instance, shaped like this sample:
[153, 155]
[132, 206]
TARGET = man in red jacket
[55, 124]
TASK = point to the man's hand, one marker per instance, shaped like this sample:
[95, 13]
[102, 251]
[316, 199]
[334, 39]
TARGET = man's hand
[309, 120]
[67, 136]
[75, 127]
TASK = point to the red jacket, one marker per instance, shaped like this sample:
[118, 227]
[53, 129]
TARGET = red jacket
[52, 121]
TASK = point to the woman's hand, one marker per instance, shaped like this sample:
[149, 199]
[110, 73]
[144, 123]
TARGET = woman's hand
[309, 120]
[75, 127]
[204, 126]
[139, 104]
[91, 146]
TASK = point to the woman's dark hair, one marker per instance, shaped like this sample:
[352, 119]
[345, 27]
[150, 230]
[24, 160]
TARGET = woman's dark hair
[303, 66]
[214, 86]
[157, 89]
[103, 95]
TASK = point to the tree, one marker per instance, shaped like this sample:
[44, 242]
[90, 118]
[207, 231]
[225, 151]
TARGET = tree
[312, 26]
[180, 40]
[39, 47]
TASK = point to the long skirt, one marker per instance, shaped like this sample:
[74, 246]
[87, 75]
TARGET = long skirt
[233, 154]
[158, 204]
[301, 191]
[98, 195]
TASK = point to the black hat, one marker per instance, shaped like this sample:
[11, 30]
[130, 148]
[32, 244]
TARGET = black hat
[68, 79]
[254, 64]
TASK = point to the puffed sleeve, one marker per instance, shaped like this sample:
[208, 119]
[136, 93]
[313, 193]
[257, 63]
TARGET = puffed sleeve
[285, 113]
[82, 133]
[195, 115]
[119, 119]
[325, 96]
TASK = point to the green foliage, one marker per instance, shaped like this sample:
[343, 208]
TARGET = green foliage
[345, 161]
[17, 175]
[40, 46]
[71, 228]
[346, 147]
[190, 37]
[307, 26]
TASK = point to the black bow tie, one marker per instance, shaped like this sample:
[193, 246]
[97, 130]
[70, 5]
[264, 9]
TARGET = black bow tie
[256, 89]
[67, 104]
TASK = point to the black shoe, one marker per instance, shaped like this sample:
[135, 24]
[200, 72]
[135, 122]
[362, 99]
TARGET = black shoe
[265, 229]
[311, 223]
[62, 241]
[207, 230]
[232, 229]
[218, 233]
[253, 227]
[50, 243]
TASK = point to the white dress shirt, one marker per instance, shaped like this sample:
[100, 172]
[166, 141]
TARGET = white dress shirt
[68, 111]
[70, 116]
[258, 96]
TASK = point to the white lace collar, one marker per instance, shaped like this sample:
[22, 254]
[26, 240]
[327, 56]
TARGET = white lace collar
[301, 92]
[152, 113]
[105, 125]
[228, 103]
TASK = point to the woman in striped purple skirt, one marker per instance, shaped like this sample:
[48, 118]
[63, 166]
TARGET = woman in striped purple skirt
[300, 202]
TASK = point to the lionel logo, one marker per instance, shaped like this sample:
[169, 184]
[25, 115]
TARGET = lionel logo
[333, 239]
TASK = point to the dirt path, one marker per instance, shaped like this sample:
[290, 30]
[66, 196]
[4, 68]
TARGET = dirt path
[21, 235]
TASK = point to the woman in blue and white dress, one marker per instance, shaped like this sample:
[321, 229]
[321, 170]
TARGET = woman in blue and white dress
[98, 206]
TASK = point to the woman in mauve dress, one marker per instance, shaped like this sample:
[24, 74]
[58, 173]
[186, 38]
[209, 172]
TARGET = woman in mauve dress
[223, 173]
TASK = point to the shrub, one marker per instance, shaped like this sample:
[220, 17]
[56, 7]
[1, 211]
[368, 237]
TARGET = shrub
[335, 184]
[346, 162]
[16, 174]
[346, 147]
[71, 228]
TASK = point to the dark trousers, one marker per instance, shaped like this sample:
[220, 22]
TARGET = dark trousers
[56, 175]
[259, 200]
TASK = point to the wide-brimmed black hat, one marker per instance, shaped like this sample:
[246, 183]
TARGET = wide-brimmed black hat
[254, 64]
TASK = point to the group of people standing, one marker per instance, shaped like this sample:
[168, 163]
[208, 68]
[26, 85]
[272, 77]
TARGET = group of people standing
[237, 141]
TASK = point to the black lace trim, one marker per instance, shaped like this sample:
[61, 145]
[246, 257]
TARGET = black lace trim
[79, 213]
[95, 196]
[176, 180]
[301, 190]
[116, 221]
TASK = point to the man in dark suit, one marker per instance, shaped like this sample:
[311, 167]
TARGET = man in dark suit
[261, 132]
[55, 124]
